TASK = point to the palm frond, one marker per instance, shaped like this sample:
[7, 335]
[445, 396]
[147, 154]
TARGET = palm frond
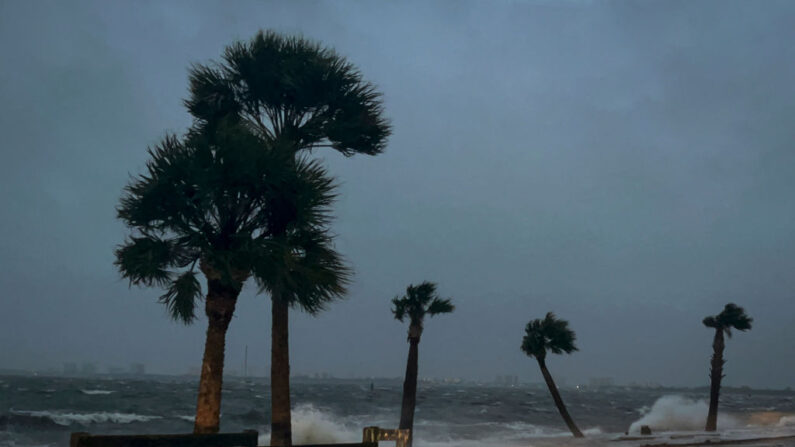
[181, 297]
[146, 260]
[550, 334]
[419, 301]
[292, 89]
[440, 306]
[731, 317]
[399, 308]
[303, 269]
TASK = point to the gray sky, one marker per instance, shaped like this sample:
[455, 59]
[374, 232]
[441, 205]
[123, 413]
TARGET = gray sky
[628, 165]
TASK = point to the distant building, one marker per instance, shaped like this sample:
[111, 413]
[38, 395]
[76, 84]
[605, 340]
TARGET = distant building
[137, 369]
[600, 382]
[70, 368]
[507, 380]
[88, 369]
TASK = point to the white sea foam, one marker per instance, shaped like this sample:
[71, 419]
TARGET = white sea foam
[88, 418]
[96, 392]
[671, 413]
[312, 426]
[786, 421]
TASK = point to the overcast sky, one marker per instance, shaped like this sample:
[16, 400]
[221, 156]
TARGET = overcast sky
[627, 165]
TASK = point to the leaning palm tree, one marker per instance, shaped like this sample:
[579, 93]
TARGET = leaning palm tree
[418, 302]
[212, 202]
[551, 334]
[296, 96]
[732, 316]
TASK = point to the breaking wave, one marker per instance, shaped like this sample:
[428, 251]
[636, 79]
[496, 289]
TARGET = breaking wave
[672, 413]
[786, 421]
[312, 426]
[67, 419]
[96, 392]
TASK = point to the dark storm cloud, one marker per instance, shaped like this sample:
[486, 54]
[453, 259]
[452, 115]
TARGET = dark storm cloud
[626, 165]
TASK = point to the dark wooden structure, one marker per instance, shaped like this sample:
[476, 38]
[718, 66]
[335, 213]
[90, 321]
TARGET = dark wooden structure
[375, 434]
[247, 438]
[370, 438]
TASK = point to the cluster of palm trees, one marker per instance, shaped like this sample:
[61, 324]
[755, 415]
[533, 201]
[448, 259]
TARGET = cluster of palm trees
[238, 196]
[553, 335]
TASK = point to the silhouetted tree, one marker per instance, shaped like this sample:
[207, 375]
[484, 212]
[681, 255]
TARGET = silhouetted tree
[215, 200]
[551, 334]
[296, 96]
[418, 302]
[732, 316]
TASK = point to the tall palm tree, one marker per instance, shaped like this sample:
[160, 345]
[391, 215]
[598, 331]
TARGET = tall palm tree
[296, 96]
[551, 334]
[418, 302]
[207, 201]
[732, 316]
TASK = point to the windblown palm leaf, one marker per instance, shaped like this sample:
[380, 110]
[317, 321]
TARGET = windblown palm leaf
[220, 200]
[731, 317]
[419, 301]
[550, 334]
[293, 93]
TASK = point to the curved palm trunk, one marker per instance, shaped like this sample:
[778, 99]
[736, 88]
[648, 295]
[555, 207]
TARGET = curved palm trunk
[553, 389]
[281, 430]
[219, 307]
[715, 376]
[410, 388]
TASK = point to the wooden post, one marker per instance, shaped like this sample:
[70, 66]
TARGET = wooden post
[370, 434]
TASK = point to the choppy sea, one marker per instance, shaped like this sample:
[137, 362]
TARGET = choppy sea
[39, 411]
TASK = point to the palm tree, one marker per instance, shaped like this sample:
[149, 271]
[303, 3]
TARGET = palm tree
[732, 316]
[208, 200]
[418, 302]
[296, 96]
[551, 334]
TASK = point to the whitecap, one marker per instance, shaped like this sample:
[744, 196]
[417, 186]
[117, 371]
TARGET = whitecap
[88, 418]
[96, 392]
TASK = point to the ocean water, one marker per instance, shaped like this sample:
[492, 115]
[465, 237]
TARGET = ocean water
[39, 411]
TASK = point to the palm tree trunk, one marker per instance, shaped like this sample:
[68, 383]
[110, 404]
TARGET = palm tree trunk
[553, 389]
[281, 430]
[715, 376]
[410, 389]
[219, 307]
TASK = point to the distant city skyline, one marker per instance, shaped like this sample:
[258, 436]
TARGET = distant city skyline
[626, 165]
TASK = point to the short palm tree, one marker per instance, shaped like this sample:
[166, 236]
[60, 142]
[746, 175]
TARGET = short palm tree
[212, 200]
[418, 302]
[551, 335]
[296, 96]
[732, 317]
